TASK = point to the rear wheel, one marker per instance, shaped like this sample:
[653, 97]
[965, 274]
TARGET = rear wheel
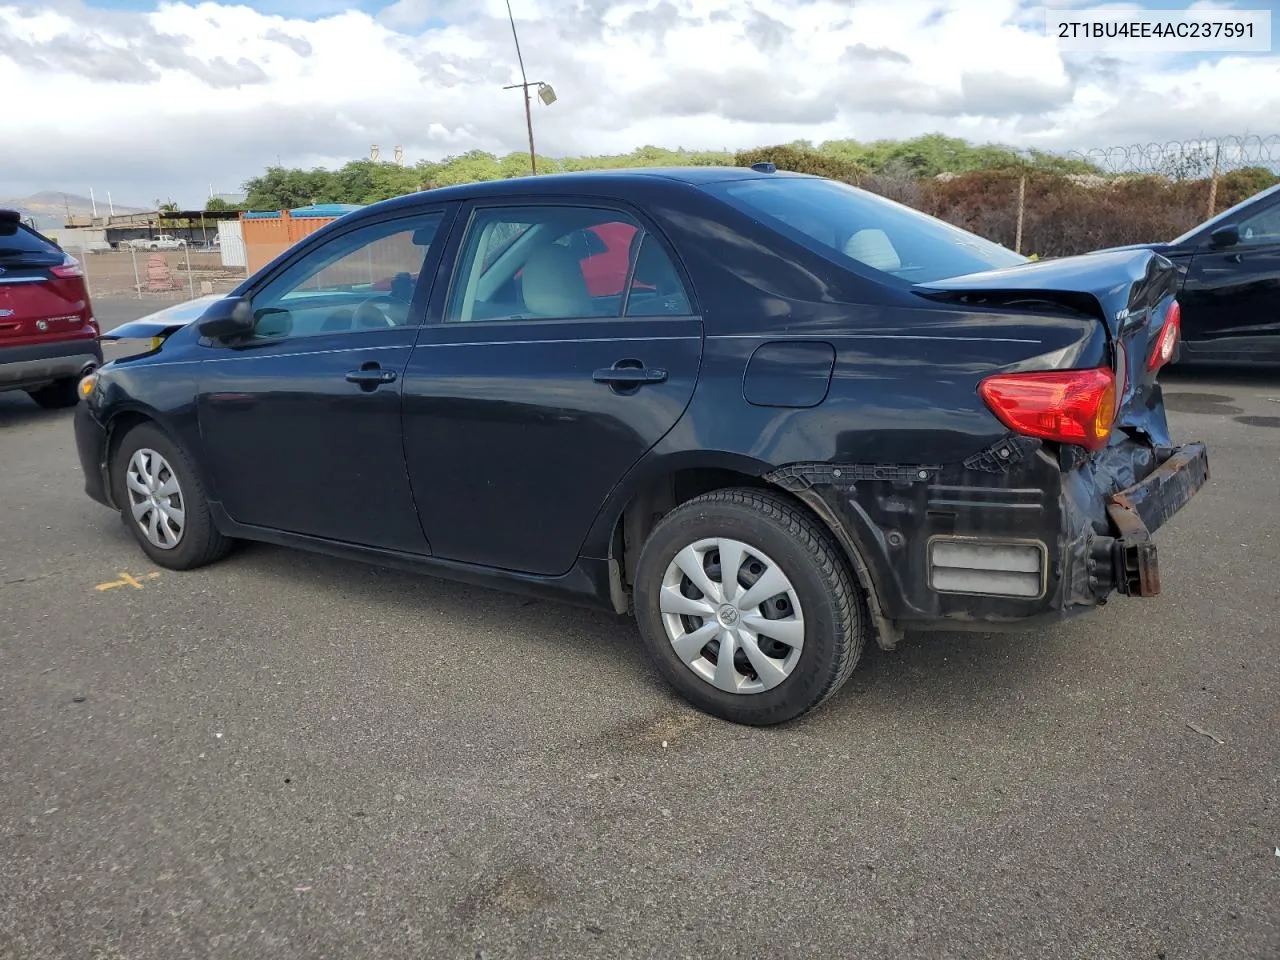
[747, 608]
[162, 501]
[56, 395]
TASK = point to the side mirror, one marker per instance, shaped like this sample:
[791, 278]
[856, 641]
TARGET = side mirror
[227, 318]
[1225, 237]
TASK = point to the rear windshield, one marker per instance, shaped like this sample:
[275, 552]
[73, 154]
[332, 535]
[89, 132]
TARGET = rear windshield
[844, 223]
[20, 242]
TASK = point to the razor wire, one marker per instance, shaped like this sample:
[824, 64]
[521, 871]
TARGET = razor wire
[1187, 159]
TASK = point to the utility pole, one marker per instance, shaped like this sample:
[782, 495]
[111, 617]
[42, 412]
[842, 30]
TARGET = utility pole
[524, 85]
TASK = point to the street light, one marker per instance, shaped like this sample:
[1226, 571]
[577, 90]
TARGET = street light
[545, 92]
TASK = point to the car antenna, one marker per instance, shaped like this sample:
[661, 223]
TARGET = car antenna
[764, 168]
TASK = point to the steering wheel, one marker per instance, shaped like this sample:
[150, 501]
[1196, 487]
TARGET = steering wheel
[371, 314]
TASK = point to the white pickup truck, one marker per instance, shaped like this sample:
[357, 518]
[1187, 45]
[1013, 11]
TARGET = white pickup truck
[161, 242]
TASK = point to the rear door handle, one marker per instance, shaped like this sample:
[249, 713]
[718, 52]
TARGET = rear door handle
[629, 376]
[370, 376]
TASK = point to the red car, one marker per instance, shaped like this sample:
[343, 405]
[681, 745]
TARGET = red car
[48, 337]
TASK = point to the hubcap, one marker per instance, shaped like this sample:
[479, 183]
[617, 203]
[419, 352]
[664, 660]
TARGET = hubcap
[732, 615]
[155, 499]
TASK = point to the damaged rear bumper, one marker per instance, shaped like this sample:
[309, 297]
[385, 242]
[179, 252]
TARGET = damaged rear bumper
[1140, 510]
[1018, 534]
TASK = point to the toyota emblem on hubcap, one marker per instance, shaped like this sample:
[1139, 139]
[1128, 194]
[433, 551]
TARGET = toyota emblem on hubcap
[728, 615]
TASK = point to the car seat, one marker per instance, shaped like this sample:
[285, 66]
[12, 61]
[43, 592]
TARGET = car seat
[553, 285]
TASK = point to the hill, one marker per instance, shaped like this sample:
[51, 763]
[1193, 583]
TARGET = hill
[49, 208]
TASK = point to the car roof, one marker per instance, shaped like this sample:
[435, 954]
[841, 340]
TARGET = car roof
[582, 181]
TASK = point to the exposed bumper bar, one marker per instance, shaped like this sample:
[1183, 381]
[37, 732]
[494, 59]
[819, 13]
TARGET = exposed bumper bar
[1138, 511]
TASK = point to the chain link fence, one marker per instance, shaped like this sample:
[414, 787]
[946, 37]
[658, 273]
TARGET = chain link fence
[167, 276]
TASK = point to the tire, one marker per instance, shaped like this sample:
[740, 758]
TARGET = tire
[776, 537]
[57, 395]
[197, 542]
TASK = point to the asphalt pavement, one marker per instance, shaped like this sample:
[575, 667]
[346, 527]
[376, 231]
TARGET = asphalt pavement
[285, 755]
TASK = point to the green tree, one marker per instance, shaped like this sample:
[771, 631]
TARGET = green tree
[368, 181]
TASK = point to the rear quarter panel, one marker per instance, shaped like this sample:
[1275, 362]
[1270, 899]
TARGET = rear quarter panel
[901, 418]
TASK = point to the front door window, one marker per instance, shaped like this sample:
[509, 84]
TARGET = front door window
[361, 280]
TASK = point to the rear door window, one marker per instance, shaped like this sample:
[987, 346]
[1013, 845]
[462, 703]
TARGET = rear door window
[534, 262]
[19, 243]
[656, 287]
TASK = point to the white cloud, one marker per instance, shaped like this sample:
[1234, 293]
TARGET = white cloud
[163, 103]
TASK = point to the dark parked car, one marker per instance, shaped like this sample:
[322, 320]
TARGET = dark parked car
[1230, 282]
[48, 336]
[807, 417]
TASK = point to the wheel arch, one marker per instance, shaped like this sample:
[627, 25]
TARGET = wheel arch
[631, 514]
[123, 421]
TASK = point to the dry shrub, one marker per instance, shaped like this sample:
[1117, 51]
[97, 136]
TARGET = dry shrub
[903, 189]
[1065, 216]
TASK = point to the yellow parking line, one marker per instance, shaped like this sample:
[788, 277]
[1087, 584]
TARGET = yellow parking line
[127, 580]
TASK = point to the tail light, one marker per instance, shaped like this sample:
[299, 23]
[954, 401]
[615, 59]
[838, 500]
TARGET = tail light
[1168, 338]
[69, 269]
[1067, 406]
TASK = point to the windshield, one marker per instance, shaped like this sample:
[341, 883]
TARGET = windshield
[845, 223]
[1224, 215]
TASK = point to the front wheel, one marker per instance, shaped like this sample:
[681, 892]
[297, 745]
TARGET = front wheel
[747, 608]
[162, 501]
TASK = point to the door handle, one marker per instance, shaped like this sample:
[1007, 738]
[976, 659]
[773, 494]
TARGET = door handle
[370, 375]
[623, 377]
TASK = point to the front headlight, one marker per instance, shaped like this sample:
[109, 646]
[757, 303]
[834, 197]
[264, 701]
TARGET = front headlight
[87, 384]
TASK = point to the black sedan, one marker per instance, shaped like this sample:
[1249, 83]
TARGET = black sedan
[784, 417]
[1230, 283]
